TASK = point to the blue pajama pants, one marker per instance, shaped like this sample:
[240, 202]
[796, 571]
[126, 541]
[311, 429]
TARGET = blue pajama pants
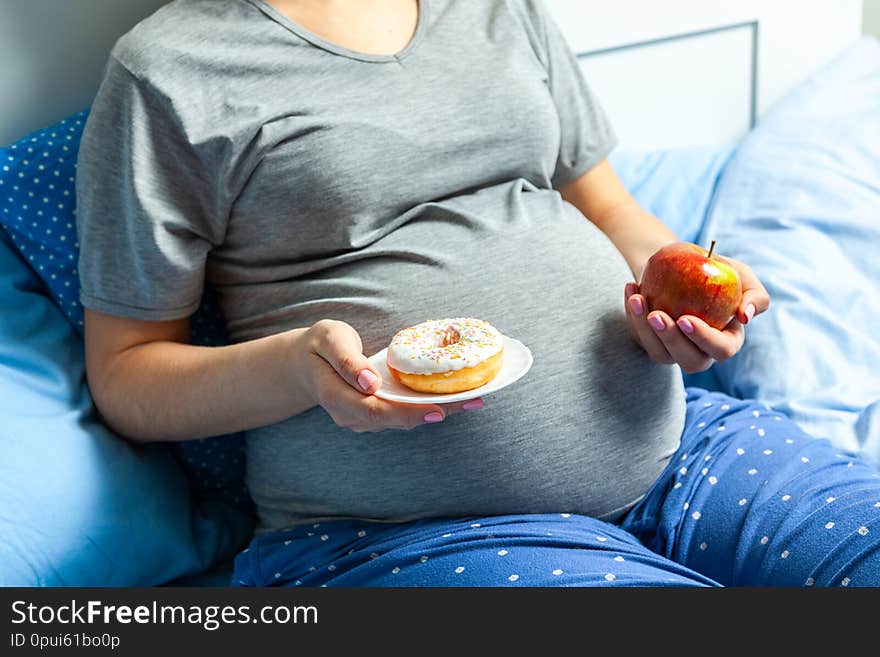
[748, 500]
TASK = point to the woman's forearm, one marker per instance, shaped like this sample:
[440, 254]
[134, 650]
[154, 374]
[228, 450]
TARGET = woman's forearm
[169, 391]
[601, 197]
[637, 234]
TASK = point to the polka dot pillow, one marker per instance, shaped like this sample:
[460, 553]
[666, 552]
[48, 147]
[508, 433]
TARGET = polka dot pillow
[38, 211]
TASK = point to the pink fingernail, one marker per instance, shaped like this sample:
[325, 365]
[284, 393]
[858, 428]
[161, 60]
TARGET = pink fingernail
[473, 405]
[636, 306]
[656, 322]
[750, 312]
[366, 379]
[685, 326]
[434, 416]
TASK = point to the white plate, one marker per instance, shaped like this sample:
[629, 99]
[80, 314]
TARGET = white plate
[517, 361]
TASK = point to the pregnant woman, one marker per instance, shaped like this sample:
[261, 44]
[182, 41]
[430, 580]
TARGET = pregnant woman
[337, 171]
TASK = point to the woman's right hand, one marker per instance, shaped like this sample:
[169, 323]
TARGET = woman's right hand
[342, 382]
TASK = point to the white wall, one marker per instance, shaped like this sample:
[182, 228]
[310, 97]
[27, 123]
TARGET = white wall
[696, 91]
[796, 36]
[52, 54]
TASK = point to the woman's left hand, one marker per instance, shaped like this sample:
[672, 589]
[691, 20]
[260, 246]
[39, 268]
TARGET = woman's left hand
[688, 340]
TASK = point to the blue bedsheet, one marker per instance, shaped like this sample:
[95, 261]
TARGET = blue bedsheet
[800, 202]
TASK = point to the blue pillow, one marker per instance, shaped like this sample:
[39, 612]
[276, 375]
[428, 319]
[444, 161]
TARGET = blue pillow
[800, 203]
[38, 210]
[81, 506]
[676, 185]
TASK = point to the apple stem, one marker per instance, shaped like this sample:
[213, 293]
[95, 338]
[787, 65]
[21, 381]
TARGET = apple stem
[711, 249]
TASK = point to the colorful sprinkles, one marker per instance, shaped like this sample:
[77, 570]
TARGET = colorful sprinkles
[440, 345]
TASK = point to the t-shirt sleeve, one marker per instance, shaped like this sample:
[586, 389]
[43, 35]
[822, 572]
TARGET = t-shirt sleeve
[587, 136]
[147, 208]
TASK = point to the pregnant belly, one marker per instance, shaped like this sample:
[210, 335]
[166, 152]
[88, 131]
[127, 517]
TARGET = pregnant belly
[587, 430]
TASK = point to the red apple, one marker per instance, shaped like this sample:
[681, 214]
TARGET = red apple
[685, 279]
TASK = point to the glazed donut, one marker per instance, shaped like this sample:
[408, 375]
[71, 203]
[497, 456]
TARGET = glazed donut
[443, 356]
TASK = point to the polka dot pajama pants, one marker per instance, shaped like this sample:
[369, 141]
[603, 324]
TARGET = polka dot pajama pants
[748, 500]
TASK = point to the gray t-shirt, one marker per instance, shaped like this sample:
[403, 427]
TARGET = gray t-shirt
[302, 180]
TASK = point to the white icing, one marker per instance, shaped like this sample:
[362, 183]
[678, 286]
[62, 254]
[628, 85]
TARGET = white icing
[419, 349]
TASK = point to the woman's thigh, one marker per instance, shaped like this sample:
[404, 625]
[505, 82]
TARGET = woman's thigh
[750, 499]
[525, 550]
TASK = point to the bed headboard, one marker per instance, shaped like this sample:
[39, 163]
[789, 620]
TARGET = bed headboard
[700, 72]
[671, 73]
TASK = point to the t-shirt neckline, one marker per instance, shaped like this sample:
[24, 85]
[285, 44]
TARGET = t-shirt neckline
[320, 42]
